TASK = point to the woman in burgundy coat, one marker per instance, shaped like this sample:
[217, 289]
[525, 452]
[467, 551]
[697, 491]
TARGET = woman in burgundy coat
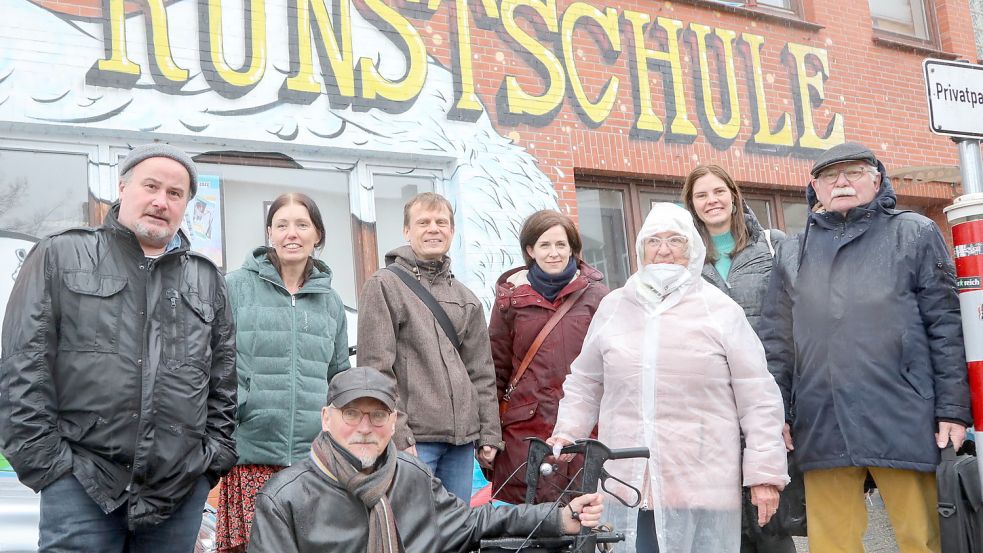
[526, 298]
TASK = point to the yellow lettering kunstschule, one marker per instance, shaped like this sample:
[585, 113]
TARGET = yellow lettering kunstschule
[255, 60]
[646, 121]
[721, 130]
[802, 88]
[608, 22]
[467, 104]
[518, 101]
[374, 84]
[118, 69]
[162, 59]
[303, 86]
[763, 133]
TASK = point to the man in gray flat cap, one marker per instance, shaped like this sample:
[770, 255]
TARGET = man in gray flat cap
[863, 335]
[357, 493]
[118, 384]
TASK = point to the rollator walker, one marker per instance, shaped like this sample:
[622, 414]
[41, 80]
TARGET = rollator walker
[595, 454]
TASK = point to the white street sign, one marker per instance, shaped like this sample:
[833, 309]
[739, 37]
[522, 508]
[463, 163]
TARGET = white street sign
[955, 97]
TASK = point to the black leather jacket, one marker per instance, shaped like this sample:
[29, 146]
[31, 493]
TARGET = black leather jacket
[119, 370]
[301, 510]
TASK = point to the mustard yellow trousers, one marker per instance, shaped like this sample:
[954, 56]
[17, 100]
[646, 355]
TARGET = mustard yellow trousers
[837, 513]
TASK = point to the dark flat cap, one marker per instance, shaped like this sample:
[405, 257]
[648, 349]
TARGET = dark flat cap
[359, 382]
[848, 151]
[157, 149]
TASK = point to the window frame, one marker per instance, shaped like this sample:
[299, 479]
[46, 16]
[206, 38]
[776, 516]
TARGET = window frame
[632, 189]
[364, 237]
[794, 9]
[932, 42]
[361, 188]
[94, 169]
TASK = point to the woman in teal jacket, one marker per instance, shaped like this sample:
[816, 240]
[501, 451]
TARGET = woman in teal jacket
[291, 338]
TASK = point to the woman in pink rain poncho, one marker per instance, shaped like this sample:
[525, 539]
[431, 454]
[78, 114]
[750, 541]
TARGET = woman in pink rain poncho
[671, 363]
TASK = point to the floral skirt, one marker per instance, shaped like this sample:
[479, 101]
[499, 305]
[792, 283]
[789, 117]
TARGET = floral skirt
[236, 501]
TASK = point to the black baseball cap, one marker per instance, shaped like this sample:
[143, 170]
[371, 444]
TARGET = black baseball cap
[359, 382]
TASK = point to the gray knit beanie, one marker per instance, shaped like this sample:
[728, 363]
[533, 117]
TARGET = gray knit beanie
[147, 151]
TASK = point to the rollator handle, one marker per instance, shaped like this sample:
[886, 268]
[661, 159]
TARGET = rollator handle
[595, 454]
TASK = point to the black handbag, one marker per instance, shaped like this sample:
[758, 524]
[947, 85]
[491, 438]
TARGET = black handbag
[789, 520]
[960, 502]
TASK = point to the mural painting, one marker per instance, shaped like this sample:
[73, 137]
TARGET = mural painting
[361, 78]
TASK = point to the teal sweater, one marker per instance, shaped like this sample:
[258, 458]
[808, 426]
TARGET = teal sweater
[724, 244]
[288, 348]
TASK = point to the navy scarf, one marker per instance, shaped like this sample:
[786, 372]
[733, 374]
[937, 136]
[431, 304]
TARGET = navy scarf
[549, 285]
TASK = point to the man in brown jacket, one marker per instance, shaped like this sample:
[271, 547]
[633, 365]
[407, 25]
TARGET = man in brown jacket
[447, 400]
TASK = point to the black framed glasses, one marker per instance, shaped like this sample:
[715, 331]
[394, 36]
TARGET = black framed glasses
[353, 417]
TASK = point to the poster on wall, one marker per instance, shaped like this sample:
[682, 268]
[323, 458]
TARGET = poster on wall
[203, 220]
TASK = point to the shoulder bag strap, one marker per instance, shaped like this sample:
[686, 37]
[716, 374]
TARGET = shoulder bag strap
[431, 302]
[540, 338]
[771, 247]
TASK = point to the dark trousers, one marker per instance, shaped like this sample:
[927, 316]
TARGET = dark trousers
[767, 544]
[645, 540]
[72, 523]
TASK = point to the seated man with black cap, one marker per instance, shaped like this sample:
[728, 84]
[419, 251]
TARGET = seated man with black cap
[357, 493]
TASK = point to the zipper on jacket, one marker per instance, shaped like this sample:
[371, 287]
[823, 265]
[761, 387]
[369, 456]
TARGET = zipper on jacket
[293, 379]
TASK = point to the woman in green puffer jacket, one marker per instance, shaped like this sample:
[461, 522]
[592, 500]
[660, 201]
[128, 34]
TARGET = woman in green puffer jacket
[291, 339]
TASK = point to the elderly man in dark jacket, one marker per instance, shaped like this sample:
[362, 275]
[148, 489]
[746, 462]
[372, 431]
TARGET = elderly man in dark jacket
[863, 334]
[118, 385]
[357, 493]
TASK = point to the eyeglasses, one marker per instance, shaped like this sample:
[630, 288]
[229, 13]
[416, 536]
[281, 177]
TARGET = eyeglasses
[353, 417]
[852, 175]
[677, 243]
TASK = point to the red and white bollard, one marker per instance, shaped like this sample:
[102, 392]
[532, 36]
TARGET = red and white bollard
[966, 219]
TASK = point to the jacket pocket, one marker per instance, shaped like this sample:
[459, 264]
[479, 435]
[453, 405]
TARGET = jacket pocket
[915, 356]
[198, 330]
[90, 312]
[187, 323]
[519, 413]
[74, 426]
[921, 384]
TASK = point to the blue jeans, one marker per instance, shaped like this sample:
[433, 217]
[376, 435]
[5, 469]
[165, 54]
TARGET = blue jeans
[71, 522]
[452, 464]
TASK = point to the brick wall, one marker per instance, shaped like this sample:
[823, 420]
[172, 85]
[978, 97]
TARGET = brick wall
[876, 86]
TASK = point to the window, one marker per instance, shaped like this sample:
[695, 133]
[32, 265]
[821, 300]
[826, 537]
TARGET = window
[795, 214]
[28, 182]
[611, 212]
[784, 5]
[41, 192]
[603, 232]
[248, 190]
[392, 190]
[361, 205]
[907, 18]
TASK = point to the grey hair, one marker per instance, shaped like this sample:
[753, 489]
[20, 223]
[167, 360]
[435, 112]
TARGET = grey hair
[125, 177]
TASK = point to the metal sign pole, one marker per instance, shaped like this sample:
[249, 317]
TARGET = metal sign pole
[970, 165]
[966, 219]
